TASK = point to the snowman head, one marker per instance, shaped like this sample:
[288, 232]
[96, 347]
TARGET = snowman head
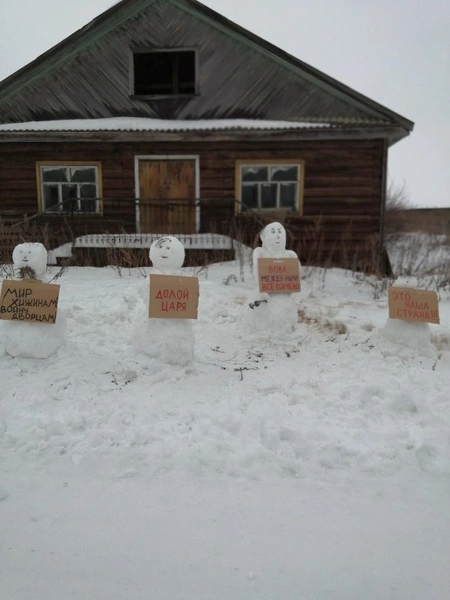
[273, 237]
[167, 254]
[408, 282]
[30, 260]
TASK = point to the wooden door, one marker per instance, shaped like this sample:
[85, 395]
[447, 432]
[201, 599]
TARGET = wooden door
[167, 196]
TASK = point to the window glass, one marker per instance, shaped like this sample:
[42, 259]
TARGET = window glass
[268, 195]
[69, 197]
[255, 174]
[288, 195]
[249, 196]
[88, 205]
[186, 72]
[51, 196]
[88, 194]
[54, 174]
[83, 174]
[88, 191]
[284, 173]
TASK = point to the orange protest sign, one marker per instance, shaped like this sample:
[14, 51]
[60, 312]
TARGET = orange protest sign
[279, 275]
[29, 300]
[173, 297]
[410, 304]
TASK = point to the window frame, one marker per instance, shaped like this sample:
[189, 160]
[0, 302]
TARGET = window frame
[97, 165]
[146, 50]
[294, 162]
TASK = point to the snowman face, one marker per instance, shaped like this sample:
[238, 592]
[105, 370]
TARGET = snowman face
[167, 253]
[33, 256]
[273, 237]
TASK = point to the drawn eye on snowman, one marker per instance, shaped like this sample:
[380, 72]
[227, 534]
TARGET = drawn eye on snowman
[160, 243]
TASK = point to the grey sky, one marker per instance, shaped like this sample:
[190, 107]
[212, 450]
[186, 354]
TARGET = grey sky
[397, 52]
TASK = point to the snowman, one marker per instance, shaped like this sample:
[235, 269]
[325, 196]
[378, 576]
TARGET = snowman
[413, 335]
[271, 313]
[31, 340]
[169, 340]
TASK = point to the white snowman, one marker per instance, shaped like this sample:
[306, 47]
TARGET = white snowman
[169, 340]
[32, 340]
[271, 313]
[410, 334]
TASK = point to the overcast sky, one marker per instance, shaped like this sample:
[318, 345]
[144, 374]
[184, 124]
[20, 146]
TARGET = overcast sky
[397, 52]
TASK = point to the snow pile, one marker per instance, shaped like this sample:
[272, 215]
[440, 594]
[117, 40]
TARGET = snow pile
[325, 396]
[414, 337]
[170, 340]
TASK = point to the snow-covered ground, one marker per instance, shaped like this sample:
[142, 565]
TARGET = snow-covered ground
[309, 466]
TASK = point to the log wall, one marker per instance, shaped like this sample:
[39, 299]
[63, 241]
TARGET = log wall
[343, 186]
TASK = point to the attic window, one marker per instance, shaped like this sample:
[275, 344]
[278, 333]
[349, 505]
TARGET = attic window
[164, 72]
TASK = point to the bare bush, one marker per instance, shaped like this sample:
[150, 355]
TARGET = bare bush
[397, 202]
[424, 256]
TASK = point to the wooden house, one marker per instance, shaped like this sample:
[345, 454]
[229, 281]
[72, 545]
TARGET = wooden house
[162, 116]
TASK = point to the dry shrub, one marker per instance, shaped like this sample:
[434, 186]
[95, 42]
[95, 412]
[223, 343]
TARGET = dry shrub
[51, 235]
[397, 203]
[12, 235]
[425, 256]
[309, 244]
[120, 257]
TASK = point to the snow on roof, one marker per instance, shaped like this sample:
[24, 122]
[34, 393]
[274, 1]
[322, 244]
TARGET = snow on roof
[160, 125]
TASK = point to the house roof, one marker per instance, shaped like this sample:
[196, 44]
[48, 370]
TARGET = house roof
[124, 10]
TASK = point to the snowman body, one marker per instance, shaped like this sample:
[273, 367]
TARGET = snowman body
[32, 340]
[171, 341]
[411, 334]
[271, 313]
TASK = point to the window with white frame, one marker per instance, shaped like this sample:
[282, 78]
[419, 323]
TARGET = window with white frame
[266, 186]
[70, 188]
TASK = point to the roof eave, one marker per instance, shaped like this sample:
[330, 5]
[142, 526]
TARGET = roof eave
[390, 133]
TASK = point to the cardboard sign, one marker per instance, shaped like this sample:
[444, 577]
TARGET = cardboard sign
[29, 300]
[279, 275]
[173, 297]
[410, 304]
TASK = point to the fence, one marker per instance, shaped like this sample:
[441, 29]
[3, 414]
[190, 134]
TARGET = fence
[210, 228]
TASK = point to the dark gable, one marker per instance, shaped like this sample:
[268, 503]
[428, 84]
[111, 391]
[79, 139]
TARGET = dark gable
[234, 74]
